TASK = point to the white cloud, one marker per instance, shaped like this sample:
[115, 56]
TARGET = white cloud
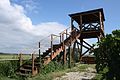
[17, 31]
[31, 6]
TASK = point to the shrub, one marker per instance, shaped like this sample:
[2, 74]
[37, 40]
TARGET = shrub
[108, 56]
[51, 67]
[7, 68]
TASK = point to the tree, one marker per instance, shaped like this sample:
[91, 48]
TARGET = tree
[108, 56]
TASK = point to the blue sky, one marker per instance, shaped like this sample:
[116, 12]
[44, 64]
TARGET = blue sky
[57, 11]
[24, 22]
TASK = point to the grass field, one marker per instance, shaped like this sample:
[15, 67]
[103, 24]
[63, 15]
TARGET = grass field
[14, 56]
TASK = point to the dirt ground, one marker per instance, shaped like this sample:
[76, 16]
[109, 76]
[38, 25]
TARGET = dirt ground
[87, 75]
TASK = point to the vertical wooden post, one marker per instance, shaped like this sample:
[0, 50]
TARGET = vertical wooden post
[51, 45]
[66, 33]
[63, 39]
[60, 38]
[100, 15]
[20, 59]
[98, 38]
[64, 56]
[39, 55]
[101, 22]
[33, 64]
[63, 46]
[81, 41]
[73, 52]
[39, 50]
[69, 56]
[72, 24]
[78, 58]
[80, 22]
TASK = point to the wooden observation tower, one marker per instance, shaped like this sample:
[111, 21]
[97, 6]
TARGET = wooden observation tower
[90, 25]
[84, 25]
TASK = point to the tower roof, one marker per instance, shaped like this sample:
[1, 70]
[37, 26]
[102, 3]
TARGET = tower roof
[88, 16]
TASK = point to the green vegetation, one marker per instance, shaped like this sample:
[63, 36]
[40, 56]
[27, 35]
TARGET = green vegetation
[53, 70]
[7, 70]
[108, 57]
[8, 67]
[49, 72]
[14, 56]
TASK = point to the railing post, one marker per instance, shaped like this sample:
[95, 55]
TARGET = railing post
[63, 39]
[64, 56]
[51, 45]
[60, 38]
[33, 64]
[39, 54]
[20, 58]
[66, 33]
[69, 56]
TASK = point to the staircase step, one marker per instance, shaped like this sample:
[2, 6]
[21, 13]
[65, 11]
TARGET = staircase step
[22, 74]
[56, 46]
[46, 57]
[23, 69]
[49, 50]
[37, 64]
[45, 54]
[28, 66]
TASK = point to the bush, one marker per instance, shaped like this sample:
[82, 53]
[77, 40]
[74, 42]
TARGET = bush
[51, 67]
[7, 68]
[108, 56]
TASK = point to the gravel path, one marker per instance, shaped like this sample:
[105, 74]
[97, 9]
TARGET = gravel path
[88, 75]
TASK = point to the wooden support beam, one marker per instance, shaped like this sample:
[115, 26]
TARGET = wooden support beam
[66, 33]
[81, 41]
[73, 52]
[63, 40]
[39, 54]
[69, 56]
[64, 56]
[83, 45]
[72, 24]
[20, 59]
[80, 22]
[33, 64]
[51, 45]
[85, 52]
[87, 43]
[98, 38]
[78, 47]
[101, 21]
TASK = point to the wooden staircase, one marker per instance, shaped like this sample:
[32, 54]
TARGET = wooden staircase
[32, 66]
